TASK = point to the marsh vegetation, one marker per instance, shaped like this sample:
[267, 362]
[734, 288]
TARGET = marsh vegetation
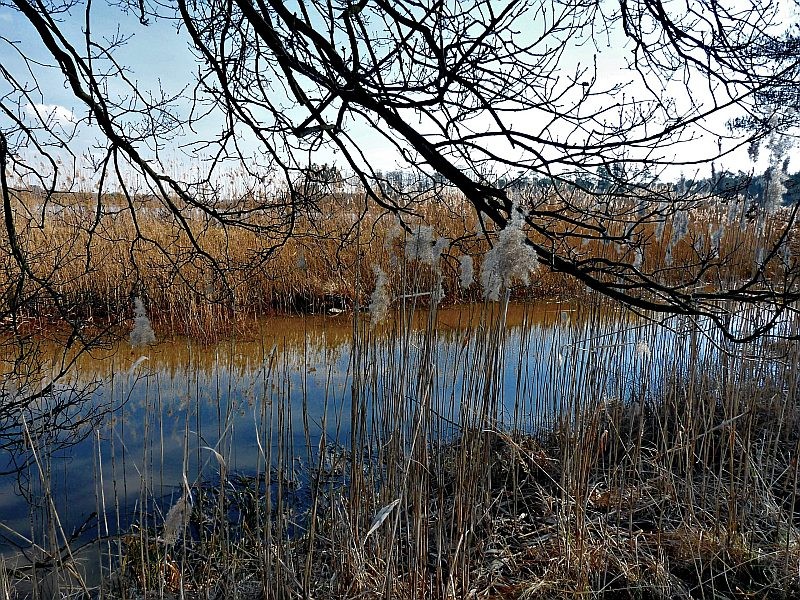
[531, 450]
[542, 357]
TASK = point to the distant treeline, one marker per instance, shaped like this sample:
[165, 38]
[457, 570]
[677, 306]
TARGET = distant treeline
[730, 185]
[725, 184]
[318, 182]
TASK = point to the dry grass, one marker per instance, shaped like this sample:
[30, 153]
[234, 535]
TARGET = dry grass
[653, 462]
[98, 257]
[681, 489]
[505, 517]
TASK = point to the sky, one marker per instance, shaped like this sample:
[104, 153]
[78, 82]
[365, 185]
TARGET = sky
[158, 58]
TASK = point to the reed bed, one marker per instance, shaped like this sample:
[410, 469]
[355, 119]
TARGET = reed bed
[484, 453]
[97, 254]
[500, 451]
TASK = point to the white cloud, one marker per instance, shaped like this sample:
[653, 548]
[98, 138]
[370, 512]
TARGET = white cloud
[51, 113]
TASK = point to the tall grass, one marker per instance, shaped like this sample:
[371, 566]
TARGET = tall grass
[100, 255]
[493, 451]
[498, 450]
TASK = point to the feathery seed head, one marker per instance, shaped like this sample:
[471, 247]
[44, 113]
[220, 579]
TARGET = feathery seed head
[379, 301]
[424, 246]
[420, 243]
[394, 232]
[177, 519]
[715, 236]
[639, 257]
[142, 333]
[466, 271]
[510, 258]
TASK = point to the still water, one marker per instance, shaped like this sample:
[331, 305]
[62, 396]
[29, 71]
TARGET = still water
[292, 387]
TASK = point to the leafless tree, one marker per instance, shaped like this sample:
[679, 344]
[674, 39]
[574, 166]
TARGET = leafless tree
[479, 96]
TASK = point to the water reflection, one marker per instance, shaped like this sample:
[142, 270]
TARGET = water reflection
[290, 382]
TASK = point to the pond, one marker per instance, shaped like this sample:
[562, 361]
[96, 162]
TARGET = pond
[298, 391]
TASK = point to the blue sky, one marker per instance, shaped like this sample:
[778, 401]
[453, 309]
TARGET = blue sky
[159, 59]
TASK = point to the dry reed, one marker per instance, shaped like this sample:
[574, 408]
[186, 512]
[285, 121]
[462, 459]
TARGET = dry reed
[613, 457]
